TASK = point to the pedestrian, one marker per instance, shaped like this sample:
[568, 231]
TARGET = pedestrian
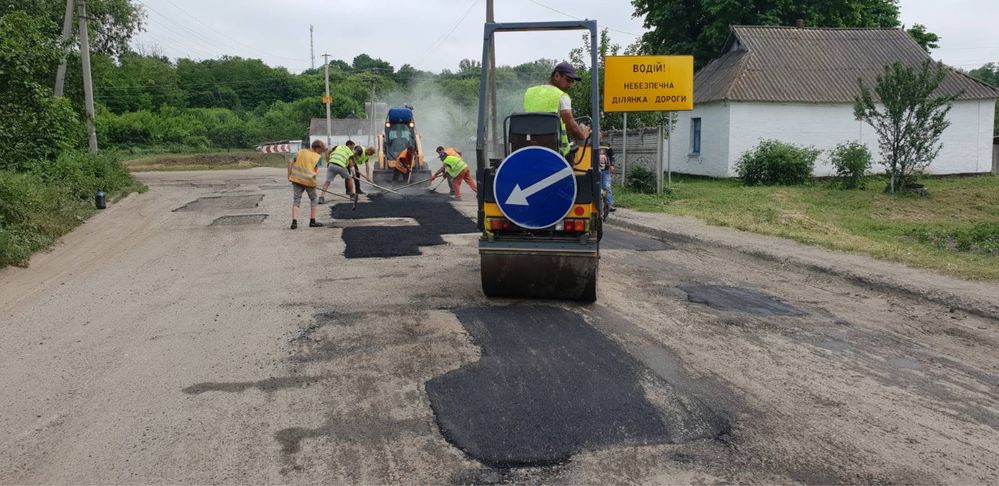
[338, 159]
[361, 165]
[302, 170]
[552, 98]
[454, 166]
[607, 174]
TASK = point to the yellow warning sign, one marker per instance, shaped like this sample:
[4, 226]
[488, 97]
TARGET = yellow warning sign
[327, 99]
[648, 83]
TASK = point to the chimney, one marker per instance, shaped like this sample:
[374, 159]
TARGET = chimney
[800, 23]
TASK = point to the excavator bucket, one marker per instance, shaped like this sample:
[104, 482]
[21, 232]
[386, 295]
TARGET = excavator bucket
[539, 274]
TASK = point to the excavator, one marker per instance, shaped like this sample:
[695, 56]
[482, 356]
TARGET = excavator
[399, 134]
[539, 210]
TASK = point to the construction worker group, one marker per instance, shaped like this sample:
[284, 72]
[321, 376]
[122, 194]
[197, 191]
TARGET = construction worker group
[348, 160]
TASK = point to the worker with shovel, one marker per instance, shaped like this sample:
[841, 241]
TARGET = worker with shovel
[359, 165]
[455, 167]
[302, 170]
[338, 162]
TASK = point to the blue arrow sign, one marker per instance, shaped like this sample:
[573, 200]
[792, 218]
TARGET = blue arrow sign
[535, 187]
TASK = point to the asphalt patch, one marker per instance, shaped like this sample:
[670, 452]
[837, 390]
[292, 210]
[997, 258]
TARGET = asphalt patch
[548, 386]
[239, 219]
[434, 217]
[246, 201]
[737, 299]
[615, 239]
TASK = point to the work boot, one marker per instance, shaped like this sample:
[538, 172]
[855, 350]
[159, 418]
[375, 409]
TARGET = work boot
[322, 200]
[612, 209]
[294, 224]
[315, 224]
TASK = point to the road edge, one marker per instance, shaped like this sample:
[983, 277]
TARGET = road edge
[762, 247]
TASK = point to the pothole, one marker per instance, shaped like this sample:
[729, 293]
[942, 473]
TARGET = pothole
[239, 219]
[735, 299]
[246, 201]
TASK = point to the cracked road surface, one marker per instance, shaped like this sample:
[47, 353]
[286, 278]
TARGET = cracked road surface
[153, 346]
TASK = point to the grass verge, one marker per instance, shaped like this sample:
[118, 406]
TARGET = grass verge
[953, 229]
[49, 199]
[205, 161]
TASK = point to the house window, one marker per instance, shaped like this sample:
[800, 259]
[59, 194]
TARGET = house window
[695, 136]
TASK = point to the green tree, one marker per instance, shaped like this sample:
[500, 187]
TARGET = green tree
[908, 118]
[35, 125]
[701, 27]
[112, 23]
[927, 40]
[990, 74]
[364, 62]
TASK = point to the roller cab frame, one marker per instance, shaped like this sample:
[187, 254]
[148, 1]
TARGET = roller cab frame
[560, 261]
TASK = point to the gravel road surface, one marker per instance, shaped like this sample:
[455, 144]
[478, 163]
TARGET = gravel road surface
[186, 335]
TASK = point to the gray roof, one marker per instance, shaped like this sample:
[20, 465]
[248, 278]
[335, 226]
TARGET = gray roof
[342, 126]
[783, 64]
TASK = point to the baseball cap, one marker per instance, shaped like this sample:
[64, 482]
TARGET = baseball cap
[567, 70]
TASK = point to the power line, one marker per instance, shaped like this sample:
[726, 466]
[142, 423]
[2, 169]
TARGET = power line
[578, 18]
[453, 28]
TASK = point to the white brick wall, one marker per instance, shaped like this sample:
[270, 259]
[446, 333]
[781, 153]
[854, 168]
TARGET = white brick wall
[728, 129]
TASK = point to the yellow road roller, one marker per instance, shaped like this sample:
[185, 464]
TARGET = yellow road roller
[538, 209]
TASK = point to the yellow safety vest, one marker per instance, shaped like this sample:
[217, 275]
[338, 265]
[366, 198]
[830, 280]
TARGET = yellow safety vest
[360, 159]
[454, 165]
[303, 170]
[545, 98]
[340, 155]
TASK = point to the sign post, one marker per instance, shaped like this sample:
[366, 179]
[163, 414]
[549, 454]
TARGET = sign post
[649, 83]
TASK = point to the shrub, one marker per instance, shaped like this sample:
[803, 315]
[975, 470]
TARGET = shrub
[851, 160]
[51, 198]
[641, 180]
[776, 163]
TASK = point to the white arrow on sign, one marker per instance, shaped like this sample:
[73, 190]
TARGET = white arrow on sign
[519, 196]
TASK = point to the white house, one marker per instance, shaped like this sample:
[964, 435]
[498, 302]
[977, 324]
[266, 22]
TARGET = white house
[797, 85]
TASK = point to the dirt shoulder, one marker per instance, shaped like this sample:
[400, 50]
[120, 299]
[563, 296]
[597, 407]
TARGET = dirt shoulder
[980, 298]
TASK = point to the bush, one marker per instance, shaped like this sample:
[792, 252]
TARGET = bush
[51, 198]
[851, 160]
[641, 180]
[776, 163]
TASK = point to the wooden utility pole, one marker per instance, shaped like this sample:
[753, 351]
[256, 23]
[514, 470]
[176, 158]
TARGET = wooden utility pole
[88, 84]
[312, 49]
[67, 31]
[491, 92]
[327, 100]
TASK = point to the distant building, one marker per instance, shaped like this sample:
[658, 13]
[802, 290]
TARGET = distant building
[356, 129]
[797, 85]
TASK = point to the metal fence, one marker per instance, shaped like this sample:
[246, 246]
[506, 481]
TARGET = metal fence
[641, 150]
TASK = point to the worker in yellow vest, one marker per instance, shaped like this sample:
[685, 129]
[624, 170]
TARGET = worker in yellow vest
[552, 98]
[302, 169]
[458, 170]
[361, 156]
[338, 160]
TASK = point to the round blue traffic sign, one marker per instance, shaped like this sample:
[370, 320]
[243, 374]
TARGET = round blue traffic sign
[535, 187]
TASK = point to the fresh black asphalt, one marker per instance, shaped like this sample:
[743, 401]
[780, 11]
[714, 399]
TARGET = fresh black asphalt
[547, 386]
[433, 213]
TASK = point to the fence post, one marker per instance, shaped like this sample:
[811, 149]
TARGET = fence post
[624, 151]
[659, 160]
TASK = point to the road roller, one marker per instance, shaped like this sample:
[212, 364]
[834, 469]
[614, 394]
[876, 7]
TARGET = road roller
[538, 209]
